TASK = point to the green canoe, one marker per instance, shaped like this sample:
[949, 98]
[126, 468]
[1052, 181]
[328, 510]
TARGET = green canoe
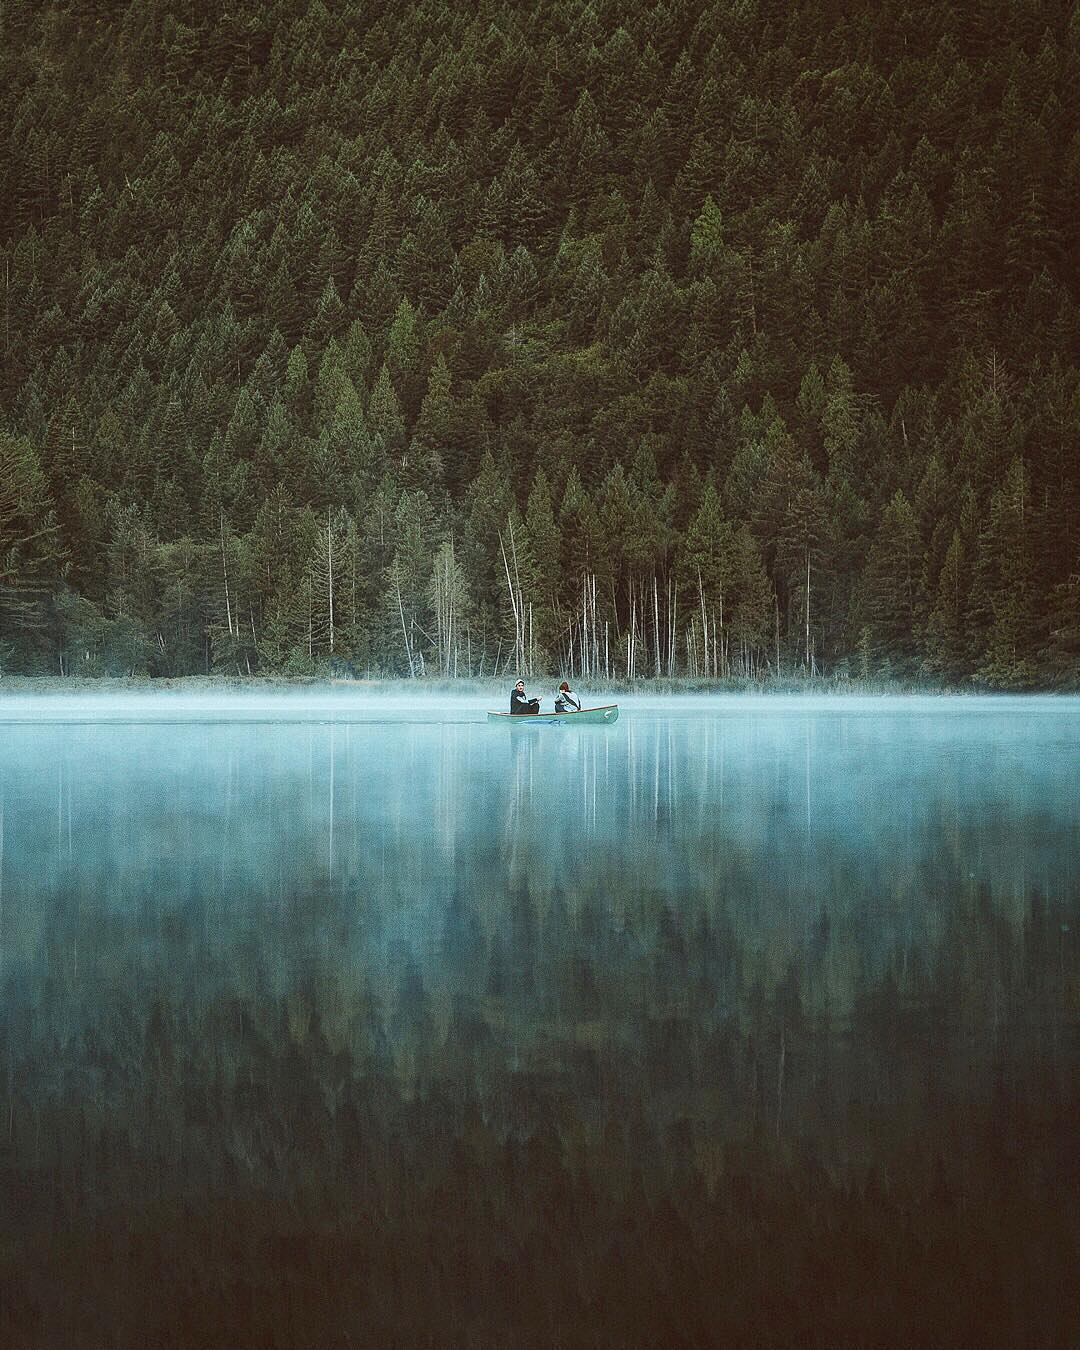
[586, 717]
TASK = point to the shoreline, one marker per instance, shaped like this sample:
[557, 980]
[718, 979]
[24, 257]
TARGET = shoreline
[59, 685]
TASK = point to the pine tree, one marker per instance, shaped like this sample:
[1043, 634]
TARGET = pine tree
[1004, 572]
[328, 319]
[947, 649]
[707, 240]
[385, 419]
[403, 358]
[891, 600]
[274, 457]
[31, 548]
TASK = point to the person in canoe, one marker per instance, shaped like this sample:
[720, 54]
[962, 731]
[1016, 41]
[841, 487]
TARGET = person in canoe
[565, 701]
[519, 703]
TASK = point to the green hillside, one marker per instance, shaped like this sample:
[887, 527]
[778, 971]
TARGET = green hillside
[701, 337]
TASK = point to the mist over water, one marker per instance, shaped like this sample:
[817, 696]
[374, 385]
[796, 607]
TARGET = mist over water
[367, 979]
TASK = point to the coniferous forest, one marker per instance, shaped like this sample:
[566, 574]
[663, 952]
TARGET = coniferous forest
[700, 338]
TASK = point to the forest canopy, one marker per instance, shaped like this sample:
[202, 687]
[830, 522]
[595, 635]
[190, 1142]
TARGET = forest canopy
[706, 337]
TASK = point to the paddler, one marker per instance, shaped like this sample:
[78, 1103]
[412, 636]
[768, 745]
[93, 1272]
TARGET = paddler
[519, 703]
[565, 701]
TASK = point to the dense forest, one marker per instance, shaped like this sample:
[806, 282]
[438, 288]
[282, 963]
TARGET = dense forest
[703, 337]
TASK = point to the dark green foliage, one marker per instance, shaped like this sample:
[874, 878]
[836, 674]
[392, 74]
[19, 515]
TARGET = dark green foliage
[331, 248]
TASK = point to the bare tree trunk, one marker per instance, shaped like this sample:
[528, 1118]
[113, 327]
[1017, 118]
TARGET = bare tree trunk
[673, 614]
[404, 630]
[225, 572]
[656, 624]
[776, 606]
[330, 577]
[520, 606]
[518, 625]
[595, 630]
[451, 635]
[809, 659]
[587, 637]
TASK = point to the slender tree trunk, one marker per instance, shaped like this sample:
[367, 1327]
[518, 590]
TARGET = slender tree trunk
[330, 577]
[776, 606]
[404, 629]
[518, 624]
[225, 572]
[672, 630]
[595, 629]
[451, 636]
[656, 624]
[588, 641]
[809, 659]
[520, 606]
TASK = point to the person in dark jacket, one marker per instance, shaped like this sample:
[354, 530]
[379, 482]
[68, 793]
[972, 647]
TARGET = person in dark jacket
[519, 703]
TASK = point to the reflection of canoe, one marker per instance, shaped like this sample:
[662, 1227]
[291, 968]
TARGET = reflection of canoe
[589, 716]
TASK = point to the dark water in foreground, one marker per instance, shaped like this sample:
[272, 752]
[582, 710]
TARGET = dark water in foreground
[746, 1023]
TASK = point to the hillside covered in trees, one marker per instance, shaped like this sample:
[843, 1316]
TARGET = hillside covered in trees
[703, 337]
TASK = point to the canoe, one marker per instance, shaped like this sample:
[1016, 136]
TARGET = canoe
[587, 717]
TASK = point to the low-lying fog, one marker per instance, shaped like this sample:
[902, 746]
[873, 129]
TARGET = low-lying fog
[357, 701]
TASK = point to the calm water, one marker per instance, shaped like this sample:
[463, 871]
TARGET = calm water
[382, 1025]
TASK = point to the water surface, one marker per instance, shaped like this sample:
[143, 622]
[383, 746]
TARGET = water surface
[333, 1019]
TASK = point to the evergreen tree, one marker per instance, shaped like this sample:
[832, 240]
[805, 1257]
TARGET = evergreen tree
[891, 601]
[31, 548]
[1003, 583]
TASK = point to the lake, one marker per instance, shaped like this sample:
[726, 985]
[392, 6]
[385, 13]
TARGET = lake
[337, 1020]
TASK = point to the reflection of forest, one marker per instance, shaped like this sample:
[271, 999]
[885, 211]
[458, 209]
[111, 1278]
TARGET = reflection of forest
[565, 1125]
[686, 1055]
